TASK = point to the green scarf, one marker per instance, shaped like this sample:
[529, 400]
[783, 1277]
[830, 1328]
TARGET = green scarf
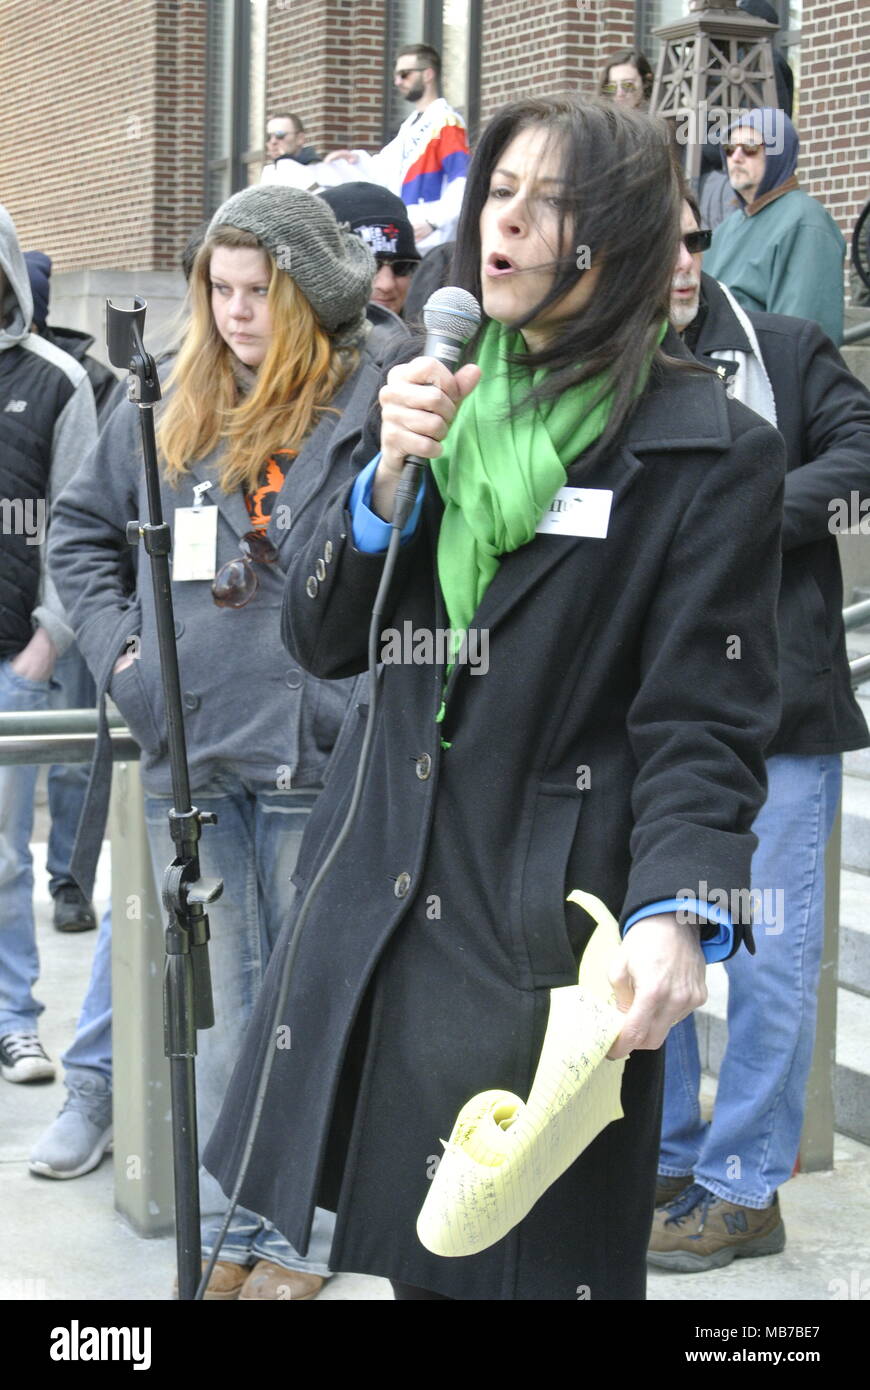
[501, 468]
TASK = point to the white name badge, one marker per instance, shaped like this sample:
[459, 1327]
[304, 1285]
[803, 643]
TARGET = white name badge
[194, 543]
[578, 511]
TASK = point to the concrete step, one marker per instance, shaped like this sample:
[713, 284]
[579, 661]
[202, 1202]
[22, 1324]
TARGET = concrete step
[852, 1067]
[856, 825]
[854, 961]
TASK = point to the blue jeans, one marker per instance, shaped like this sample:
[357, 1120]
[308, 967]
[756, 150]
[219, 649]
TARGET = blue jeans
[91, 1048]
[67, 782]
[19, 961]
[253, 848]
[749, 1148]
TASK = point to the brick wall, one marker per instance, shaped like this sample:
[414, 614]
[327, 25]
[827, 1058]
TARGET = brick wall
[547, 49]
[326, 62]
[833, 117]
[102, 106]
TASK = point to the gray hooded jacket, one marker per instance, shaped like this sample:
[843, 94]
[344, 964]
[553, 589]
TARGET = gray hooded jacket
[48, 425]
[248, 707]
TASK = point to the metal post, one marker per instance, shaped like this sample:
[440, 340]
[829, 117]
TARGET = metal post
[817, 1140]
[143, 1133]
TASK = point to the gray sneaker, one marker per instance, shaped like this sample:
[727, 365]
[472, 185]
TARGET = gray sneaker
[78, 1138]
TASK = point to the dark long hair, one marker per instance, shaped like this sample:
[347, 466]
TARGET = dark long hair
[622, 59]
[622, 192]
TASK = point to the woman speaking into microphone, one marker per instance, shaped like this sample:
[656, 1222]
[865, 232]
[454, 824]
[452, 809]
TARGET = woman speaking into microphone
[612, 741]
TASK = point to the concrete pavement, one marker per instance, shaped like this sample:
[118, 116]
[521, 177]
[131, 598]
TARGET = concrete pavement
[63, 1240]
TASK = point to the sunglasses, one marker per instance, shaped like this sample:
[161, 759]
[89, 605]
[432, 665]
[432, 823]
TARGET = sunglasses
[403, 73]
[236, 582]
[397, 267]
[697, 241]
[748, 150]
[611, 88]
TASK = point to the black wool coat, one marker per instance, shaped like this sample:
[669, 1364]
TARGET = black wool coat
[823, 414]
[423, 972]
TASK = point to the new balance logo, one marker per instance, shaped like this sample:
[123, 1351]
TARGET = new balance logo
[15, 407]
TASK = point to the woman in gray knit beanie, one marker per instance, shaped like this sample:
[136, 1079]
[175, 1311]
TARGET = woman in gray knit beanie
[271, 385]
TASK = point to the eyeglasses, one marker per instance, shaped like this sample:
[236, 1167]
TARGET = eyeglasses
[403, 73]
[397, 267]
[611, 88]
[697, 241]
[748, 150]
[236, 582]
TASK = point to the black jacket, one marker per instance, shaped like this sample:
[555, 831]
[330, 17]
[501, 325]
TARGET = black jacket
[424, 968]
[823, 414]
[102, 378]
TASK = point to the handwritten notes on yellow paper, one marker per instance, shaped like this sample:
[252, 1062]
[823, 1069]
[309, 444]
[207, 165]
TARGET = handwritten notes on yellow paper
[504, 1153]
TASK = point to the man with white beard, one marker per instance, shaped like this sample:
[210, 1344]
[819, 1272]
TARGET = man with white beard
[717, 1189]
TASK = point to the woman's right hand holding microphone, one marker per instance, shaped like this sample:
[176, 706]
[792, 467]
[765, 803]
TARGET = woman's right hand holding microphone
[418, 404]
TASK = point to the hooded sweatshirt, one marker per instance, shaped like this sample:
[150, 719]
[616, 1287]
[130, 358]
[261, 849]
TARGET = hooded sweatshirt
[782, 253]
[48, 424]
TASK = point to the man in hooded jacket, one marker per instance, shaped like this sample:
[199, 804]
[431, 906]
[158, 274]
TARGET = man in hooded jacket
[780, 252]
[48, 424]
[717, 1187]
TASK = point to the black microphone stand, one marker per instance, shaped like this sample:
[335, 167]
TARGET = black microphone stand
[187, 998]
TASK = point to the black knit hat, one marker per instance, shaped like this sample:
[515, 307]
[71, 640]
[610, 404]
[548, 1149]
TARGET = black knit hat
[376, 216]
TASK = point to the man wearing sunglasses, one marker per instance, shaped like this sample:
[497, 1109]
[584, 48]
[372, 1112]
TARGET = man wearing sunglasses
[779, 252]
[285, 139]
[718, 1182]
[379, 219]
[427, 162]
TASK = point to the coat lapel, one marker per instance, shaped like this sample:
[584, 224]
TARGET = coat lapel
[230, 505]
[308, 473]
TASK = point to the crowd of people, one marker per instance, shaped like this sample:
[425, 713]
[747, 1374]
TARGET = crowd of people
[700, 397]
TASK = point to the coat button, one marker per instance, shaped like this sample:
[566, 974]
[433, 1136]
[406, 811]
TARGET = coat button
[179, 627]
[402, 884]
[191, 701]
[294, 679]
[311, 586]
[327, 552]
[423, 766]
[320, 570]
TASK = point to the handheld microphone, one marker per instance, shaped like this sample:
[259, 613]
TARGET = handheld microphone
[450, 317]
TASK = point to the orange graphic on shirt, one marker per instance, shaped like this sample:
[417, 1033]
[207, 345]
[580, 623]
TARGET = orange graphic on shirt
[261, 502]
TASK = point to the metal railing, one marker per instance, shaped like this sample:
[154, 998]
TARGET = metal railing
[855, 616]
[60, 736]
[856, 332]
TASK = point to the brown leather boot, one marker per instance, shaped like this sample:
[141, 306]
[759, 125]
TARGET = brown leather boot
[668, 1188]
[270, 1281]
[225, 1283]
[699, 1231]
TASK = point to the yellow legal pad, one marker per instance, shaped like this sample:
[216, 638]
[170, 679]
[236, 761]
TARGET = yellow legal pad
[504, 1153]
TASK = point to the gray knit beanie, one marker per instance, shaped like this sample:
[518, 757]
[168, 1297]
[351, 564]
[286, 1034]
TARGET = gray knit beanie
[331, 266]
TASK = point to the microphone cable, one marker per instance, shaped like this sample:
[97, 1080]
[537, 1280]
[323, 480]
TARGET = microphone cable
[451, 329]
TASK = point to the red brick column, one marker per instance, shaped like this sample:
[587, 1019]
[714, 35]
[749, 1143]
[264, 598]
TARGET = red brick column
[325, 61]
[833, 109]
[118, 179]
[545, 49]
